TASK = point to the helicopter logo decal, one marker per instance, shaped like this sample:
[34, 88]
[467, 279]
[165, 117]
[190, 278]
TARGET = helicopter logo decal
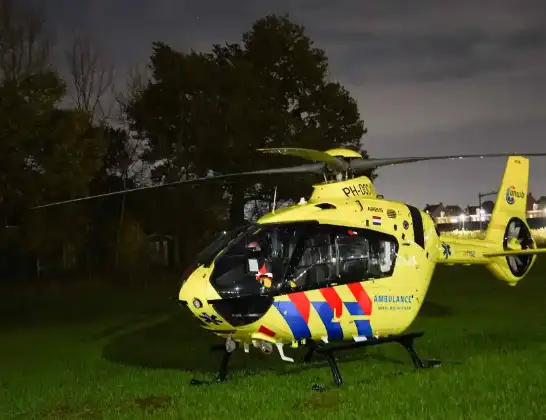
[512, 194]
[447, 249]
[210, 319]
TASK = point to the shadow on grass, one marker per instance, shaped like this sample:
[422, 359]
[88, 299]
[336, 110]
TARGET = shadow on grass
[179, 343]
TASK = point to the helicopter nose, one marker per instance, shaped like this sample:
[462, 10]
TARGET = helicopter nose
[196, 286]
[195, 292]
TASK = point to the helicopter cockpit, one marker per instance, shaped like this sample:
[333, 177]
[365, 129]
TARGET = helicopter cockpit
[272, 259]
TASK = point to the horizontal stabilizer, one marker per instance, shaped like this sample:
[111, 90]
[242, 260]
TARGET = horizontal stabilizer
[517, 252]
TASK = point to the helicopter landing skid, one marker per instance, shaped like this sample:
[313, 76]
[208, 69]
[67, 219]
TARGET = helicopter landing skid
[328, 350]
[221, 376]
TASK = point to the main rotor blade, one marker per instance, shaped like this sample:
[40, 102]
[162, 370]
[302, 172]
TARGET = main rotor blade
[335, 164]
[358, 165]
[315, 168]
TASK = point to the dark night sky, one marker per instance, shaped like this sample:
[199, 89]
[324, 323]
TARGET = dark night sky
[430, 76]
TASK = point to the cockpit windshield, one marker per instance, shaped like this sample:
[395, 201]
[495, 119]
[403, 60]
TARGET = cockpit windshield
[207, 255]
[282, 258]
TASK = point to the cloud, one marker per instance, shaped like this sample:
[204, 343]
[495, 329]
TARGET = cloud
[423, 109]
[431, 40]
[429, 76]
[459, 181]
[393, 41]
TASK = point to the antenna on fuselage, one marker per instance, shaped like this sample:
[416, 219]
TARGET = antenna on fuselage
[274, 199]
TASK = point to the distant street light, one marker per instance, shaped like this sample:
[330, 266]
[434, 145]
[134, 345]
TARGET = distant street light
[462, 216]
[480, 195]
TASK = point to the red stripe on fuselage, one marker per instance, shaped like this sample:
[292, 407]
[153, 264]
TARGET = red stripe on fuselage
[302, 304]
[266, 331]
[333, 300]
[361, 297]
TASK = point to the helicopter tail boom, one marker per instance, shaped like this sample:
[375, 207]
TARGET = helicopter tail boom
[508, 249]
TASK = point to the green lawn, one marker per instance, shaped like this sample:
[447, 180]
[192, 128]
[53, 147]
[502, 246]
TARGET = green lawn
[132, 356]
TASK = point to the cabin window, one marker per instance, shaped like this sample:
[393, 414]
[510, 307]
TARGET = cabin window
[364, 255]
[343, 255]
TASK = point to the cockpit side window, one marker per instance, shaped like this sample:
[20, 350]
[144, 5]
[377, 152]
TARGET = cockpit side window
[256, 262]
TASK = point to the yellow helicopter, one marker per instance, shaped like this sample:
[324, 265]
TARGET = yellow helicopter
[345, 268]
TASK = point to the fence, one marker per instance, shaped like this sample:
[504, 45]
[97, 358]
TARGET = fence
[472, 229]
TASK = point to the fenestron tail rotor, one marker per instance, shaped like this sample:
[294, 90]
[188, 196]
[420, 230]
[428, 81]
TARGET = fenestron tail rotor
[336, 160]
[518, 237]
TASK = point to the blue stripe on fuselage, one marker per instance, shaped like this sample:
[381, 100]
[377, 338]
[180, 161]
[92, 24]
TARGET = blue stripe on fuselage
[300, 329]
[334, 330]
[363, 327]
[294, 319]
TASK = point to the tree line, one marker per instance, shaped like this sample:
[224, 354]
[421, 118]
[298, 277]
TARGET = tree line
[188, 114]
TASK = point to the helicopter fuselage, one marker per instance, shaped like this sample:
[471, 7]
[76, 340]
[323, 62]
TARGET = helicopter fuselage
[345, 265]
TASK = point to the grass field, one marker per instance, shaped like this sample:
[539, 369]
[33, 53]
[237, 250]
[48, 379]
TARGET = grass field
[131, 356]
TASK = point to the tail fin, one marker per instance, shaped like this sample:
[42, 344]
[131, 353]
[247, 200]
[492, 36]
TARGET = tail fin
[508, 230]
[511, 198]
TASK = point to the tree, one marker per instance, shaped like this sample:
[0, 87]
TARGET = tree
[66, 155]
[91, 78]
[46, 153]
[24, 50]
[303, 108]
[124, 152]
[24, 45]
[116, 173]
[121, 169]
[211, 111]
[166, 113]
